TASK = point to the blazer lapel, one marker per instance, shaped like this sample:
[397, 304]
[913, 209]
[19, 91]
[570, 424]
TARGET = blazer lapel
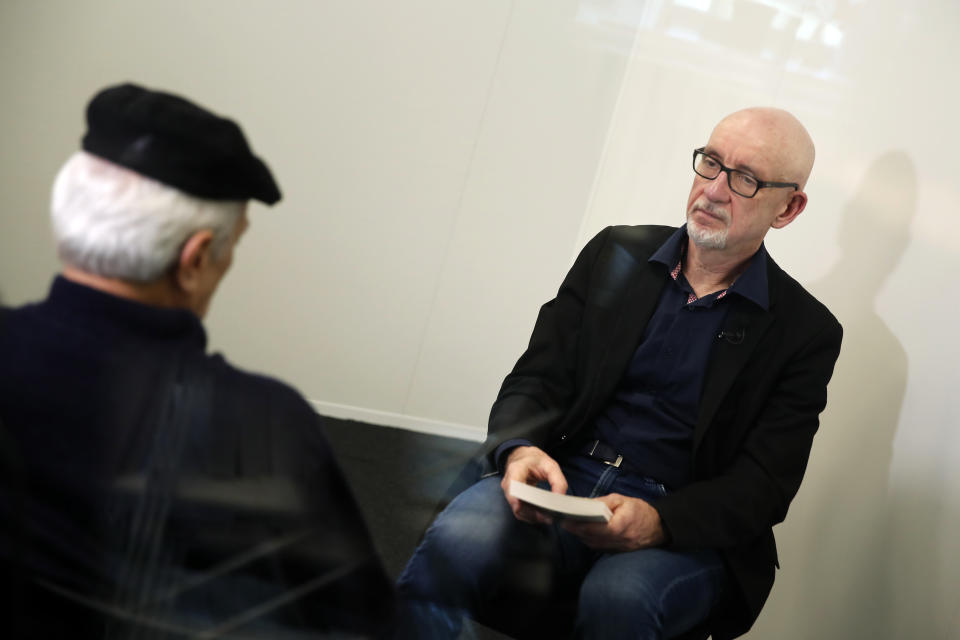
[742, 330]
[641, 292]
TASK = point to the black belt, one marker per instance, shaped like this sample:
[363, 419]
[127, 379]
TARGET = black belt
[603, 452]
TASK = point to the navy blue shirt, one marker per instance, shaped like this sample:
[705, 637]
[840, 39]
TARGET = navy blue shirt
[651, 417]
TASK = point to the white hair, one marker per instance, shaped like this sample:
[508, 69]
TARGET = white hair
[116, 223]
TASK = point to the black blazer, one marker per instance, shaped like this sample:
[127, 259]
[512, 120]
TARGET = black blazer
[759, 406]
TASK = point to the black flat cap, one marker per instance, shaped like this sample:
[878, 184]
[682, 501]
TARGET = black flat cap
[173, 141]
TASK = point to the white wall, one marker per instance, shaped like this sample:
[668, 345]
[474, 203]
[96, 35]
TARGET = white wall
[442, 161]
[436, 159]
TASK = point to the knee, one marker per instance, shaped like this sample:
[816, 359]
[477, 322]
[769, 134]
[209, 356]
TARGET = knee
[609, 603]
[479, 518]
[647, 594]
[462, 545]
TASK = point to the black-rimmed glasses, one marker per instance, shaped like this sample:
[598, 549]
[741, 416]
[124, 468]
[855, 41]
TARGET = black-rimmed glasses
[742, 184]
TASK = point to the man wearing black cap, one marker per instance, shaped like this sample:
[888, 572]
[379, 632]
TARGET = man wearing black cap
[149, 489]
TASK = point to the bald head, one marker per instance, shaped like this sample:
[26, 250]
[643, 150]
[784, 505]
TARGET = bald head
[759, 145]
[781, 140]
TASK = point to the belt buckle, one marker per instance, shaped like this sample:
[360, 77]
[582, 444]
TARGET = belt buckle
[615, 464]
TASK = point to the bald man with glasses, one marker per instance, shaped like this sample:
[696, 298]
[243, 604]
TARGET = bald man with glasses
[677, 377]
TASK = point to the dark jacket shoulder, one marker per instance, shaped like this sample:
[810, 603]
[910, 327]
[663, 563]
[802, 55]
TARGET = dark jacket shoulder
[787, 296]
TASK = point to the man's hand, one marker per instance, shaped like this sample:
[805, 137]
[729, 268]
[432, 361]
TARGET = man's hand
[531, 465]
[634, 525]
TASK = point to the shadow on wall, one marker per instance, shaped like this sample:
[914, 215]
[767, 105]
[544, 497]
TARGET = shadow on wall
[836, 544]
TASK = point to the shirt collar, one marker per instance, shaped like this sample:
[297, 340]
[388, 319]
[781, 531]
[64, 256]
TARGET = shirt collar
[85, 305]
[751, 284]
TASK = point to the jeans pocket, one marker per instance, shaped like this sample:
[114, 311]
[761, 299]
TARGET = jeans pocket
[655, 488]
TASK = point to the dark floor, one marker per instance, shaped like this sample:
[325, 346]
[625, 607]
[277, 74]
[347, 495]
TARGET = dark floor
[399, 478]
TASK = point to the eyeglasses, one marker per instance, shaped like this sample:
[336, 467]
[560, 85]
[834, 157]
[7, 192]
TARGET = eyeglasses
[742, 184]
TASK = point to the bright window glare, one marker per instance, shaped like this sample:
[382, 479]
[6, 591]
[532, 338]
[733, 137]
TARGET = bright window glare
[807, 28]
[780, 21]
[681, 33]
[696, 5]
[832, 36]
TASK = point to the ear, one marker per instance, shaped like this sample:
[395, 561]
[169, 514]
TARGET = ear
[796, 204]
[194, 257]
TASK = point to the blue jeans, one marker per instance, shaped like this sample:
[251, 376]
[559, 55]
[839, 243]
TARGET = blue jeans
[477, 560]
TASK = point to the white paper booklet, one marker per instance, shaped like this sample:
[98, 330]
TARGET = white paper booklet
[560, 505]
